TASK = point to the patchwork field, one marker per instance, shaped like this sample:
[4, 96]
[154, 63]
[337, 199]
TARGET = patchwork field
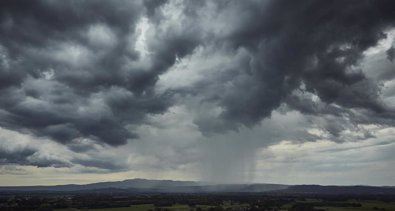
[364, 206]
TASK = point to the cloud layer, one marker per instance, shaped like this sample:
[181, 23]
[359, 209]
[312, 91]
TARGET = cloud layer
[93, 76]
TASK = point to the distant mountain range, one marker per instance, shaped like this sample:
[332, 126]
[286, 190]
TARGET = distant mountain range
[170, 186]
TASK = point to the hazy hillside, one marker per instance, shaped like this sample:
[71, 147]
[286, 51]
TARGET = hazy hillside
[170, 186]
[144, 185]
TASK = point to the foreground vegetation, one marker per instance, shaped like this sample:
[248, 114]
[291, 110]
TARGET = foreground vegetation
[194, 202]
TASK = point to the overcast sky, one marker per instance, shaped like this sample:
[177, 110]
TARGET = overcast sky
[271, 91]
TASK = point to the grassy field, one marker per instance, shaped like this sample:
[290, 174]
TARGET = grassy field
[145, 207]
[366, 206]
[375, 204]
[140, 207]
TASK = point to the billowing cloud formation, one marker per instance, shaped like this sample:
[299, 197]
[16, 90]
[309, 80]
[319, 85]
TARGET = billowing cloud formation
[309, 44]
[306, 55]
[92, 74]
[19, 152]
[69, 70]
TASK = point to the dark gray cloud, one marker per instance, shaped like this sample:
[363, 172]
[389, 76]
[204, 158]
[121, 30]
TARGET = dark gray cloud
[28, 156]
[71, 70]
[84, 50]
[153, 5]
[309, 44]
[17, 156]
[391, 54]
[314, 43]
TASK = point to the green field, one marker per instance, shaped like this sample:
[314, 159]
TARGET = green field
[140, 207]
[145, 207]
[366, 206]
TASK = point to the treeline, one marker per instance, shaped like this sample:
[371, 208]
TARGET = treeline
[195, 202]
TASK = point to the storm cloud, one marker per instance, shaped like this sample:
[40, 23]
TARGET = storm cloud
[313, 45]
[95, 75]
[68, 69]
[19, 154]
